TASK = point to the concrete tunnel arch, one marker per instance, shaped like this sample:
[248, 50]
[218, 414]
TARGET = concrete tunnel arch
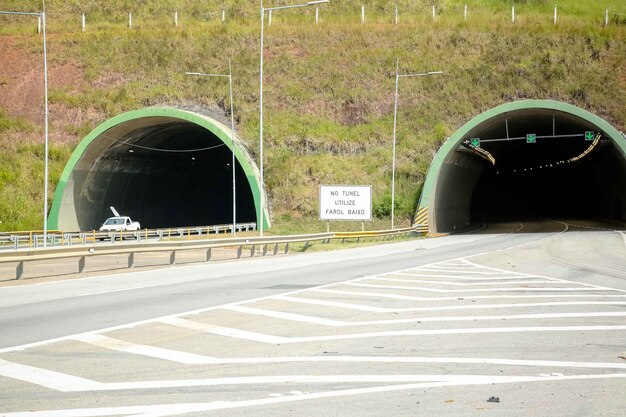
[559, 175]
[163, 166]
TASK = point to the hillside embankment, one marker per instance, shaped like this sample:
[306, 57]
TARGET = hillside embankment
[328, 87]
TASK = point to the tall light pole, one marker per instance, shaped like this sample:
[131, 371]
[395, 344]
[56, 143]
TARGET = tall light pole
[395, 123]
[232, 132]
[42, 15]
[262, 185]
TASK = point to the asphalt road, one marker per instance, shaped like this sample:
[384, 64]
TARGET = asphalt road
[520, 319]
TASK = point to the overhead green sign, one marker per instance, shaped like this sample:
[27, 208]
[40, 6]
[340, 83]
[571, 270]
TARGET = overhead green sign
[531, 138]
[590, 135]
[475, 142]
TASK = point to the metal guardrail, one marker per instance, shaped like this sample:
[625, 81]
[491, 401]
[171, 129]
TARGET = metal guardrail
[34, 239]
[130, 249]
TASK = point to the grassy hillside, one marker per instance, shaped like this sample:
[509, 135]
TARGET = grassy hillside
[328, 87]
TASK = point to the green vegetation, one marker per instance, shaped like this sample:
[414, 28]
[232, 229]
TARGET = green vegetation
[328, 88]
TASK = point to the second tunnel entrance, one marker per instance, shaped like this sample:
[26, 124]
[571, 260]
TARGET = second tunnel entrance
[524, 160]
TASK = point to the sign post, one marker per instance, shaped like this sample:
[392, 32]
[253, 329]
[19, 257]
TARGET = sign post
[346, 202]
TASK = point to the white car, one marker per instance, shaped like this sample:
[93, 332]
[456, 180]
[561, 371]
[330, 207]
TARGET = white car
[119, 224]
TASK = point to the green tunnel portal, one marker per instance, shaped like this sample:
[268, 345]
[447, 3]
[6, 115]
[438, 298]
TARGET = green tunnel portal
[164, 167]
[527, 159]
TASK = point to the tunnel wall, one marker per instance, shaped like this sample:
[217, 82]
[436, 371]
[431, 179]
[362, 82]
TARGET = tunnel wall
[448, 209]
[64, 214]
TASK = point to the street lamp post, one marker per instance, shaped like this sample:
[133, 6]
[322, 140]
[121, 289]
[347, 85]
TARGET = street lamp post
[42, 15]
[262, 185]
[232, 133]
[395, 123]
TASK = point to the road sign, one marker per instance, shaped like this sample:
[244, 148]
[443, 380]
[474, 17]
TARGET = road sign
[475, 142]
[531, 138]
[589, 135]
[346, 202]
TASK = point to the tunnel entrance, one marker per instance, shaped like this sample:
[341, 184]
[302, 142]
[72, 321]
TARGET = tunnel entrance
[163, 167]
[529, 159]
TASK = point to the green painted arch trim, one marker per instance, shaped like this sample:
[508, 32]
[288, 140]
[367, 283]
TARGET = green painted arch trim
[218, 129]
[427, 197]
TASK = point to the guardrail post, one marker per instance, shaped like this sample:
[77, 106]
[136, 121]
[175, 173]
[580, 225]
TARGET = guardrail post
[252, 250]
[239, 250]
[81, 264]
[19, 270]
[208, 254]
[131, 259]
[83, 238]
[287, 247]
[173, 257]
[276, 249]
[16, 242]
[265, 249]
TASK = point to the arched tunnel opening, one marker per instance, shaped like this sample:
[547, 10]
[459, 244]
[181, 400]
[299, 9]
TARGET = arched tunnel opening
[162, 167]
[528, 160]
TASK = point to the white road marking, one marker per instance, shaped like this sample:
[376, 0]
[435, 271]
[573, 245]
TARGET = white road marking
[512, 289]
[360, 307]
[163, 410]
[144, 350]
[271, 339]
[46, 378]
[467, 297]
[463, 284]
[223, 331]
[327, 303]
[418, 273]
[561, 280]
[179, 357]
[67, 383]
[623, 236]
[339, 323]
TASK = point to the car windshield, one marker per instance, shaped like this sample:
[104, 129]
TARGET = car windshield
[114, 220]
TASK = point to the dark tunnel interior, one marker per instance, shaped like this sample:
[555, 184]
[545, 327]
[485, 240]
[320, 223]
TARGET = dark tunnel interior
[562, 174]
[174, 173]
